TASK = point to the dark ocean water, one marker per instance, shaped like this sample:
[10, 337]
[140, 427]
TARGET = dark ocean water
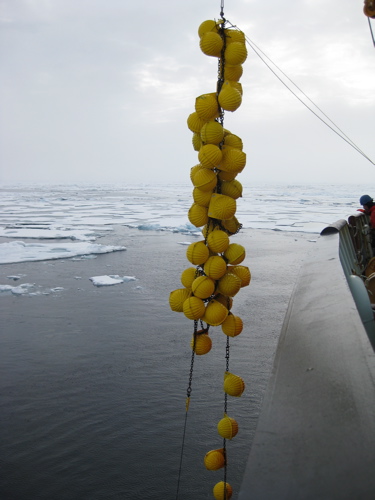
[93, 379]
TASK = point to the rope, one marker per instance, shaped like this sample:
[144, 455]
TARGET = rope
[372, 34]
[338, 131]
[188, 394]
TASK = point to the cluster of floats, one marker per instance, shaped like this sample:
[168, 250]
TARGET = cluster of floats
[216, 273]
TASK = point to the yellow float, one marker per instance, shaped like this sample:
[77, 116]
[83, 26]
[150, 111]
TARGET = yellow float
[218, 275]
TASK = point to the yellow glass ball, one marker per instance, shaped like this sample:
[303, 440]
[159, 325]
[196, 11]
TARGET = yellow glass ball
[214, 459]
[193, 308]
[197, 253]
[227, 427]
[222, 491]
[202, 344]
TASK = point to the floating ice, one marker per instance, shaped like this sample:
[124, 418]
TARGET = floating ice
[18, 251]
[113, 279]
[48, 233]
[17, 290]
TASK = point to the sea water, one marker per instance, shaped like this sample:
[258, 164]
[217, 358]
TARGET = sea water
[93, 368]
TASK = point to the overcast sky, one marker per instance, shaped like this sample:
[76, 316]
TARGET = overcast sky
[100, 90]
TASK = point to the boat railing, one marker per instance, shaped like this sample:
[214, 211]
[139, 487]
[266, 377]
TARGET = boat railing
[315, 436]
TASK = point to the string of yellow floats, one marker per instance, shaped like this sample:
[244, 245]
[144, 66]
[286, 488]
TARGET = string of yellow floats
[217, 275]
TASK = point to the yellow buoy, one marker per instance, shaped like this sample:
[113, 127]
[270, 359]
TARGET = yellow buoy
[212, 133]
[226, 301]
[227, 427]
[211, 44]
[233, 73]
[229, 284]
[214, 459]
[198, 215]
[237, 86]
[195, 123]
[234, 141]
[197, 253]
[203, 287]
[208, 25]
[232, 326]
[233, 160]
[215, 267]
[193, 308]
[226, 176]
[232, 35]
[205, 179]
[215, 313]
[210, 155]
[242, 272]
[201, 197]
[177, 298]
[218, 241]
[222, 491]
[188, 276]
[202, 344]
[207, 107]
[235, 254]
[232, 225]
[221, 207]
[235, 53]
[194, 170]
[233, 384]
[232, 188]
[197, 141]
[229, 97]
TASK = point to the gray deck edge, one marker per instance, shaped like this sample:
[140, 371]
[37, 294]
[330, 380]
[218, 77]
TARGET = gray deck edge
[315, 436]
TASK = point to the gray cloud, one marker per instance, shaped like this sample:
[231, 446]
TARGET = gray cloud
[100, 91]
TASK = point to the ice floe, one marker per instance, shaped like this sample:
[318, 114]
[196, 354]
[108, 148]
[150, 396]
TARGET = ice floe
[112, 279]
[19, 251]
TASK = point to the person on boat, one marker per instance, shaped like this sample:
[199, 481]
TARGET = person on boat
[368, 208]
